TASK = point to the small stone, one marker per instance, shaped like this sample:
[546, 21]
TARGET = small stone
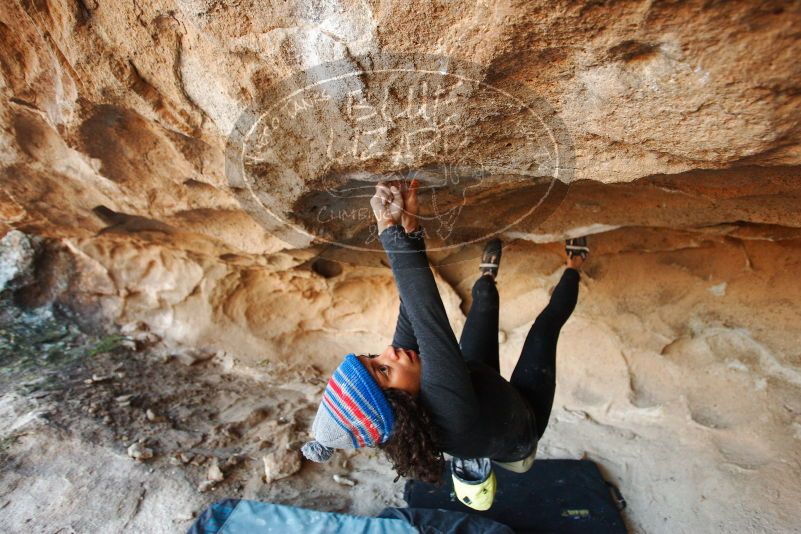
[107, 420]
[34, 382]
[186, 457]
[226, 361]
[205, 486]
[192, 356]
[138, 451]
[215, 473]
[101, 378]
[153, 417]
[180, 518]
[128, 343]
[281, 464]
[124, 404]
[345, 481]
[125, 398]
[134, 327]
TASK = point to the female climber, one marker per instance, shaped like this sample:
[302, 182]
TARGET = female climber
[427, 394]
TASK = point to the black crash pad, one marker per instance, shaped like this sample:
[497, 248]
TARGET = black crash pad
[564, 496]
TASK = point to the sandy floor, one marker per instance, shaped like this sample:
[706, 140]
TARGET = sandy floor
[64, 465]
[65, 469]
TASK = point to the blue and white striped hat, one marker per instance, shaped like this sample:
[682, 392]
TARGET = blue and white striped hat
[354, 413]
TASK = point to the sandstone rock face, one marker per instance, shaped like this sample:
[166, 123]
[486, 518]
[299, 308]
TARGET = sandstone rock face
[145, 148]
[16, 260]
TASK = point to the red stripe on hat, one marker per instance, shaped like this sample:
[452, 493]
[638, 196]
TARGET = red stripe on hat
[353, 429]
[374, 433]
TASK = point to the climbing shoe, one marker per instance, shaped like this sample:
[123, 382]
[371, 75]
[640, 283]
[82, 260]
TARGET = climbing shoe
[577, 247]
[474, 482]
[491, 257]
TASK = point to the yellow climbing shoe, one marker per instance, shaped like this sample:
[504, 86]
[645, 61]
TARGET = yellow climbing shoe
[474, 482]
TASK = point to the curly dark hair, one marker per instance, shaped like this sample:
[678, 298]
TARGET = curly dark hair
[412, 447]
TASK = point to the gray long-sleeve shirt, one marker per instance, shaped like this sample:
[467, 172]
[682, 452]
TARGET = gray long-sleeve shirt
[476, 412]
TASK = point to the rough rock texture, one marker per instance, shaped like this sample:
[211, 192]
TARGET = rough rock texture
[278, 465]
[16, 260]
[680, 152]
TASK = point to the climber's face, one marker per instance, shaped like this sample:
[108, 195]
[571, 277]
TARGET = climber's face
[395, 368]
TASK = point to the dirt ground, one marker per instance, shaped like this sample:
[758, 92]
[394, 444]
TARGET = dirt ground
[64, 465]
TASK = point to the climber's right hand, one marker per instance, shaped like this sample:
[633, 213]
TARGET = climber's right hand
[387, 204]
[411, 206]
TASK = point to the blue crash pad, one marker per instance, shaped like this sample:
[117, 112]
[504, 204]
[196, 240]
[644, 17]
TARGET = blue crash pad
[239, 516]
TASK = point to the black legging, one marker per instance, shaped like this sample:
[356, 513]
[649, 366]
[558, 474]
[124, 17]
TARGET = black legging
[534, 376]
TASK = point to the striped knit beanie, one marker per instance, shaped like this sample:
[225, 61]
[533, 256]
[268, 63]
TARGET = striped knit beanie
[354, 413]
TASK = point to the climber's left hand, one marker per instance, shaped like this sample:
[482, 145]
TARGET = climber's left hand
[387, 204]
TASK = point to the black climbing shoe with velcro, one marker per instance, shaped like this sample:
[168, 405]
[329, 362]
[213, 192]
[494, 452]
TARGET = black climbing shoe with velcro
[491, 257]
[577, 247]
